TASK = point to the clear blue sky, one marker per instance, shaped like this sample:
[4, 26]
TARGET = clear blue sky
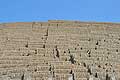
[43, 10]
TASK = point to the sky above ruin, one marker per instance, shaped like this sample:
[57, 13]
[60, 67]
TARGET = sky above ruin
[43, 10]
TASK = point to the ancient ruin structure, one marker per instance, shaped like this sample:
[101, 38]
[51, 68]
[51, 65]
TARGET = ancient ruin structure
[59, 50]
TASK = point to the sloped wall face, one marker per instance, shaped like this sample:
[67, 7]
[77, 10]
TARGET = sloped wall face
[59, 50]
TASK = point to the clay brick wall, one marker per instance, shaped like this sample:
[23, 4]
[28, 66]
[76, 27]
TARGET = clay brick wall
[59, 50]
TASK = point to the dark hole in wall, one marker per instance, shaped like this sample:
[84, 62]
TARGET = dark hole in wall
[72, 59]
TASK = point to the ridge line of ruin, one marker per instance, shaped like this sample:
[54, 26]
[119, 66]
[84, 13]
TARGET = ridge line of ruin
[63, 21]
